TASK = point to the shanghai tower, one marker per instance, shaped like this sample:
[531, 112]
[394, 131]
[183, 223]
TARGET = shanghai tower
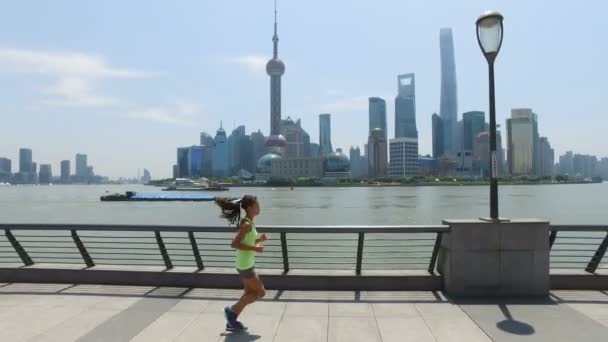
[448, 109]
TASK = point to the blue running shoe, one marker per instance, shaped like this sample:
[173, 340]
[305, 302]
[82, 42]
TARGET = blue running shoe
[230, 315]
[231, 323]
[235, 327]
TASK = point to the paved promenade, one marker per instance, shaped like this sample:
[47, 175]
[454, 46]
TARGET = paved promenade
[65, 313]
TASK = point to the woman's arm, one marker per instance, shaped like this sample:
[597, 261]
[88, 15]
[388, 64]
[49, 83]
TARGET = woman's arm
[244, 228]
[262, 238]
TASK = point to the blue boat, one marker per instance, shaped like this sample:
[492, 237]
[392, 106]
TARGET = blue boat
[157, 197]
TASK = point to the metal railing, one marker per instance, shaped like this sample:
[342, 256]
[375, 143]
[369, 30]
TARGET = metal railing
[578, 247]
[355, 248]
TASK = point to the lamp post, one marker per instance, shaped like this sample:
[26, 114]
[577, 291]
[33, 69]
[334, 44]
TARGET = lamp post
[489, 37]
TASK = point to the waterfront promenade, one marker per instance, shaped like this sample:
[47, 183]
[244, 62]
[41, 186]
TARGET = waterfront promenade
[63, 312]
[162, 283]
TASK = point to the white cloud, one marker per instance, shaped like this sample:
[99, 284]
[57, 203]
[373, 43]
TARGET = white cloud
[61, 64]
[77, 92]
[177, 112]
[254, 63]
[73, 74]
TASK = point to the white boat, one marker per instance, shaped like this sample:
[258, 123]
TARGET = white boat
[191, 183]
[201, 184]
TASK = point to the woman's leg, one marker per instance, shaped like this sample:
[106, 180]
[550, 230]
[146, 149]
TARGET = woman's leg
[254, 290]
[261, 290]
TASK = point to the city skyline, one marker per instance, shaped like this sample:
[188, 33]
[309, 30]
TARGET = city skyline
[72, 92]
[26, 170]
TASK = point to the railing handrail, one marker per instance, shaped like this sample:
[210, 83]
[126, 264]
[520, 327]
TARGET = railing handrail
[157, 230]
[578, 228]
[224, 229]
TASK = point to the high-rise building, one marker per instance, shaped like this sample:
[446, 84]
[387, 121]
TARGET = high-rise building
[314, 150]
[438, 145]
[195, 161]
[6, 169]
[364, 166]
[182, 162]
[405, 107]
[298, 141]
[473, 123]
[90, 173]
[275, 68]
[81, 166]
[325, 135]
[65, 171]
[377, 153]
[259, 144]
[26, 173]
[547, 157]
[46, 175]
[175, 174]
[481, 153]
[200, 159]
[585, 165]
[247, 160]
[458, 136]
[208, 161]
[34, 174]
[146, 178]
[501, 167]
[603, 168]
[377, 114]
[206, 139]
[520, 141]
[25, 160]
[6, 165]
[403, 157]
[241, 151]
[566, 164]
[221, 154]
[359, 164]
[355, 160]
[536, 146]
[235, 149]
[449, 95]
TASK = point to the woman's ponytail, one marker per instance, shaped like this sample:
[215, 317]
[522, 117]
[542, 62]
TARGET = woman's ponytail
[231, 209]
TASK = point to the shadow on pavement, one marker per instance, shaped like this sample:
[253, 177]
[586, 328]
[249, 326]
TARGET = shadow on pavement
[513, 326]
[224, 294]
[240, 337]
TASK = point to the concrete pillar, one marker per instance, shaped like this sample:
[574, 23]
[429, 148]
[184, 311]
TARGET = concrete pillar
[479, 258]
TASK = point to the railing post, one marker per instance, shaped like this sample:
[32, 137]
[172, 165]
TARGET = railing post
[25, 258]
[163, 250]
[552, 238]
[598, 256]
[435, 253]
[195, 251]
[284, 252]
[83, 251]
[360, 252]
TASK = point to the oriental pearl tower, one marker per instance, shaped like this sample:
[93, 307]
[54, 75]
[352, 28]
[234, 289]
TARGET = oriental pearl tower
[275, 68]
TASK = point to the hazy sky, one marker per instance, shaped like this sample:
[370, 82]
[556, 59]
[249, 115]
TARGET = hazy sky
[128, 81]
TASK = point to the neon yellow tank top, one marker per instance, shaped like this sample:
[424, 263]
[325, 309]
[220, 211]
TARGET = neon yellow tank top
[246, 259]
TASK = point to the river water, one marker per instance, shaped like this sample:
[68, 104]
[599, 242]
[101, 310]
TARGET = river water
[561, 204]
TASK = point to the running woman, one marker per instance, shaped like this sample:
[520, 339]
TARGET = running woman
[247, 243]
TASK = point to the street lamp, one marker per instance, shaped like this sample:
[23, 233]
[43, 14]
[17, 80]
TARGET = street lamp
[489, 37]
